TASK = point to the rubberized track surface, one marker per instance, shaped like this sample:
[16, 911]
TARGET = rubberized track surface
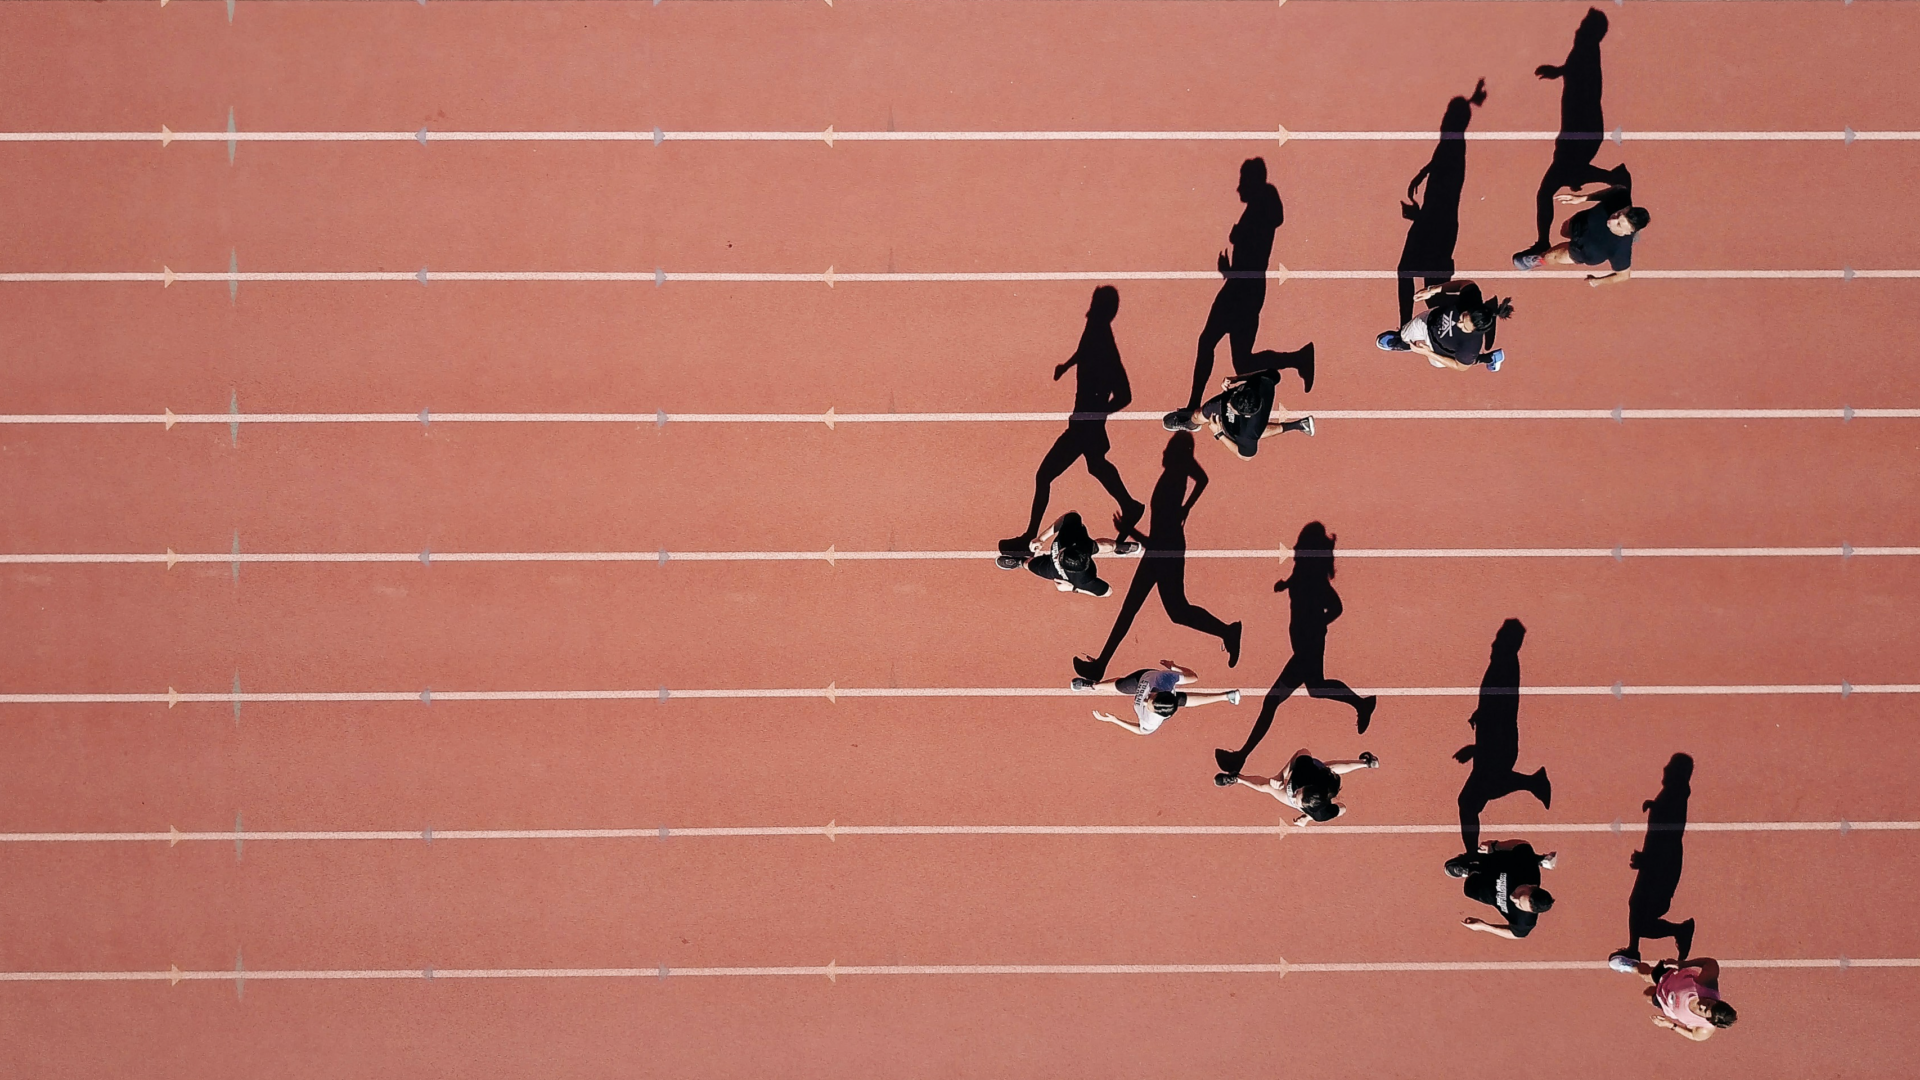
[231, 886]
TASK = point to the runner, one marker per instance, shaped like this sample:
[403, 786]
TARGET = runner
[1155, 698]
[1505, 874]
[1457, 325]
[1241, 414]
[1605, 232]
[1064, 555]
[1307, 784]
[1687, 995]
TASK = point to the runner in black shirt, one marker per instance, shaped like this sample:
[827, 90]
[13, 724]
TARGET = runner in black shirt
[1064, 555]
[1455, 331]
[1603, 233]
[1242, 414]
[1505, 874]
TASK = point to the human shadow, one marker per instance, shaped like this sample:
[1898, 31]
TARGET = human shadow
[1100, 389]
[1235, 314]
[1583, 125]
[1496, 738]
[1658, 863]
[1315, 605]
[1435, 216]
[1163, 562]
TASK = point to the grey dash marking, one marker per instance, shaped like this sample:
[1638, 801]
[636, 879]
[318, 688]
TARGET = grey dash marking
[1850, 136]
[425, 415]
[236, 556]
[1846, 273]
[426, 556]
[1846, 414]
[421, 277]
[426, 696]
[1619, 691]
[427, 834]
[663, 968]
[1844, 963]
[1619, 415]
[229, 12]
[663, 556]
[1617, 823]
[1619, 553]
[232, 143]
[664, 695]
[658, 135]
[238, 835]
[660, 418]
[233, 410]
[426, 972]
[239, 961]
[1846, 688]
[1846, 550]
[233, 255]
[1619, 135]
[1845, 828]
[663, 832]
[659, 276]
[236, 699]
[421, 135]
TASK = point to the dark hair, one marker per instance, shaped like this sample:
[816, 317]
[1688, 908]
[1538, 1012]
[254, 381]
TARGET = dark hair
[1316, 785]
[1074, 560]
[1165, 702]
[1541, 900]
[1722, 1014]
[1244, 399]
[1638, 218]
[1485, 314]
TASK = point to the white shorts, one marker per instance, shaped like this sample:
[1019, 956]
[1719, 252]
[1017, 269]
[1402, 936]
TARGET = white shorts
[1415, 332]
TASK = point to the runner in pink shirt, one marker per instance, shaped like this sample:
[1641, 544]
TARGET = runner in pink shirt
[1687, 995]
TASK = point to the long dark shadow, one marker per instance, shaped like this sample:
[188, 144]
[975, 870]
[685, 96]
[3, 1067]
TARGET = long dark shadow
[1496, 738]
[1583, 124]
[1163, 563]
[1235, 314]
[1100, 389]
[1435, 216]
[1659, 861]
[1314, 607]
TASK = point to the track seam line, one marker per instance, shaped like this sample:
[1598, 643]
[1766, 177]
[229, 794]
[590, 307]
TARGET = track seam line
[833, 831]
[832, 693]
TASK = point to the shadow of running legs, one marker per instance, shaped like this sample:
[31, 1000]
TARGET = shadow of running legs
[1658, 863]
[1435, 216]
[1496, 739]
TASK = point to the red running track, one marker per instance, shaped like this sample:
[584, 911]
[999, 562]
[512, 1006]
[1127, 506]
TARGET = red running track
[95, 906]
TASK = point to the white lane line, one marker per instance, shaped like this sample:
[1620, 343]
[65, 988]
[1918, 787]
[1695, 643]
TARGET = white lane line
[834, 556]
[832, 693]
[833, 831]
[834, 970]
[832, 418]
[831, 277]
[828, 136]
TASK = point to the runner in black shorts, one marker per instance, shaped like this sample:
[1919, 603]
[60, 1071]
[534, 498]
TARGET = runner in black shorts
[1242, 413]
[1064, 555]
[1603, 233]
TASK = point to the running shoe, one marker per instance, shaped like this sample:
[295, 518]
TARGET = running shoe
[1623, 962]
[1180, 420]
[1528, 261]
[1233, 697]
[1306, 425]
[1223, 779]
[1009, 562]
[1495, 359]
[1079, 683]
[1391, 342]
